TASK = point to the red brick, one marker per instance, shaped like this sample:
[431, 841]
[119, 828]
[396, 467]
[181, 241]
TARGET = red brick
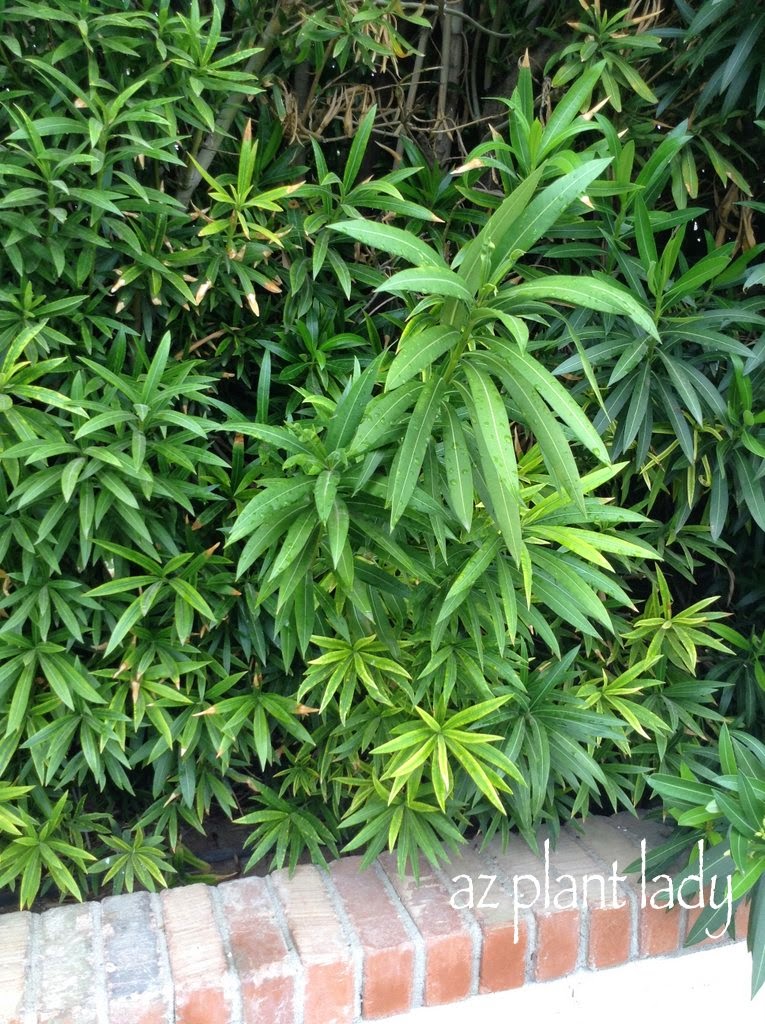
[321, 945]
[618, 840]
[197, 957]
[658, 927]
[503, 958]
[317, 979]
[262, 960]
[608, 907]
[388, 951]
[137, 991]
[610, 936]
[447, 938]
[67, 991]
[741, 918]
[504, 939]
[556, 946]
[15, 940]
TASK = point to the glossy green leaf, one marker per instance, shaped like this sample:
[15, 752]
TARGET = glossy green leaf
[593, 293]
[417, 350]
[408, 461]
[275, 497]
[392, 240]
[428, 281]
[458, 469]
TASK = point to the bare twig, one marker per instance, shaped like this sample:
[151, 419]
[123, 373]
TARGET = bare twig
[411, 95]
[455, 9]
[451, 58]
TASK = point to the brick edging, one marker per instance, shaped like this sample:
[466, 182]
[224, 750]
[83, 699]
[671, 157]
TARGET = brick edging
[338, 946]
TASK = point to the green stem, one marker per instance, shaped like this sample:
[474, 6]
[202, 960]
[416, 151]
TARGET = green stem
[315, 83]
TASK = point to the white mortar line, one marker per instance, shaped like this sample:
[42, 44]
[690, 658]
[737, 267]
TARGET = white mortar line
[584, 934]
[476, 936]
[354, 942]
[531, 946]
[293, 955]
[628, 892]
[418, 942]
[232, 983]
[163, 953]
[33, 970]
[99, 966]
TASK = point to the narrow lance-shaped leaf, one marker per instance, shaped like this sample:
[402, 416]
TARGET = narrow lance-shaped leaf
[552, 442]
[475, 567]
[567, 109]
[416, 351]
[497, 454]
[590, 292]
[646, 242]
[457, 464]
[494, 427]
[337, 529]
[295, 540]
[548, 387]
[192, 597]
[540, 215]
[706, 269]
[324, 493]
[469, 258]
[358, 148]
[392, 240]
[350, 408]
[276, 496]
[428, 281]
[382, 414]
[755, 939]
[280, 437]
[751, 488]
[408, 461]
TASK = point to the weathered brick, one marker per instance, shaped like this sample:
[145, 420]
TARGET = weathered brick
[556, 947]
[618, 839]
[15, 941]
[659, 927]
[321, 945]
[448, 942]
[610, 936]
[504, 934]
[197, 957]
[266, 968]
[663, 925]
[608, 907]
[250, 954]
[137, 990]
[68, 980]
[388, 951]
[556, 950]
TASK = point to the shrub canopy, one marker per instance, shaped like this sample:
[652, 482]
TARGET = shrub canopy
[380, 461]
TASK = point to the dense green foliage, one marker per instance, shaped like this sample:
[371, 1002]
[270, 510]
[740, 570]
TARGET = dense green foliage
[370, 478]
[727, 817]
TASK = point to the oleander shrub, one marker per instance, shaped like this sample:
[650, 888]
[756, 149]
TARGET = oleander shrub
[369, 480]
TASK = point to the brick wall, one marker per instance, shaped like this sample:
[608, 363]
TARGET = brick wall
[344, 945]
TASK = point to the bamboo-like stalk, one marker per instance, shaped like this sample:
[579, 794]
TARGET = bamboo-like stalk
[411, 94]
[213, 140]
[451, 66]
